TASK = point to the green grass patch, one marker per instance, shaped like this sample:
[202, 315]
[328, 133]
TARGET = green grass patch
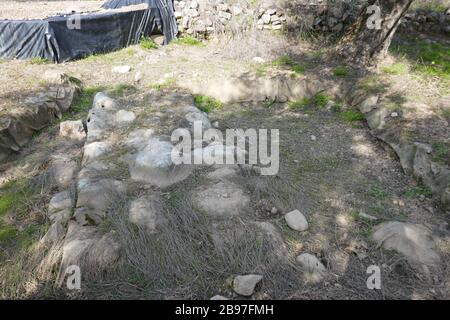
[320, 100]
[6, 202]
[37, 61]
[166, 84]
[340, 71]
[122, 89]
[187, 41]
[428, 59]
[418, 191]
[206, 104]
[299, 104]
[84, 101]
[395, 69]
[351, 116]
[7, 232]
[441, 152]
[377, 192]
[147, 43]
[288, 63]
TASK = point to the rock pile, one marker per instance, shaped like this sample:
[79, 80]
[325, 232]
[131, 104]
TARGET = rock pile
[203, 18]
[17, 126]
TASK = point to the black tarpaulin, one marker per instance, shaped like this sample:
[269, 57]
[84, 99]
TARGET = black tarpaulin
[166, 18]
[53, 40]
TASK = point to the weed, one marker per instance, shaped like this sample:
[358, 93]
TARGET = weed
[187, 41]
[121, 89]
[352, 116]
[395, 69]
[441, 152]
[418, 191]
[377, 192]
[147, 43]
[37, 61]
[320, 100]
[206, 104]
[340, 71]
[299, 104]
[168, 83]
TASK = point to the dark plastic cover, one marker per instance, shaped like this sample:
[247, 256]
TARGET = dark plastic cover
[53, 40]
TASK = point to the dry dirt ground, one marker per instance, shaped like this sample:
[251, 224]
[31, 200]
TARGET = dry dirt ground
[331, 169]
[27, 10]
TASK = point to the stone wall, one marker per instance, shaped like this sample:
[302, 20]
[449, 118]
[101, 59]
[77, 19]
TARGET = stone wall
[203, 18]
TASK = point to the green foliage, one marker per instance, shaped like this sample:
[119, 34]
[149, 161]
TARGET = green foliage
[121, 89]
[206, 104]
[441, 152]
[168, 83]
[377, 192]
[6, 202]
[352, 116]
[84, 101]
[395, 69]
[37, 61]
[418, 191]
[147, 43]
[187, 41]
[429, 59]
[320, 100]
[287, 62]
[299, 104]
[340, 71]
[7, 232]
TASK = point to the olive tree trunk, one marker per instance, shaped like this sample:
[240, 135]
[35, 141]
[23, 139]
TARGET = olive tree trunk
[367, 40]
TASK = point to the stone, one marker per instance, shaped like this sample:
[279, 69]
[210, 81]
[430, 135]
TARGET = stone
[369, 104]
[158, 39]
[144, 212]
[311, 264]
[414, 241]
[193, 114]
[74, 130]
[99, 195]
[223, 198]
[245, 285]
[63, 171]
[121, 69]
[258, 60]
[266, 18]
[236, 10]
[367, 216]
[105, 252]
[60, 201]
[61, 216]
[102, 101]
[313, 138]
[139, 138]
[55, 77]
[153, 164]
[218, 297]
[55, 232]
[394, 114]
[138, 77]
[194, 5]
[76, 245]
[94, 150]
[296, 221]
[124, 117]
[225, 15]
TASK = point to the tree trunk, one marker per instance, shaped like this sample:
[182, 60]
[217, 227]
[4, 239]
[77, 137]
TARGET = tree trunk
[363, 44]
